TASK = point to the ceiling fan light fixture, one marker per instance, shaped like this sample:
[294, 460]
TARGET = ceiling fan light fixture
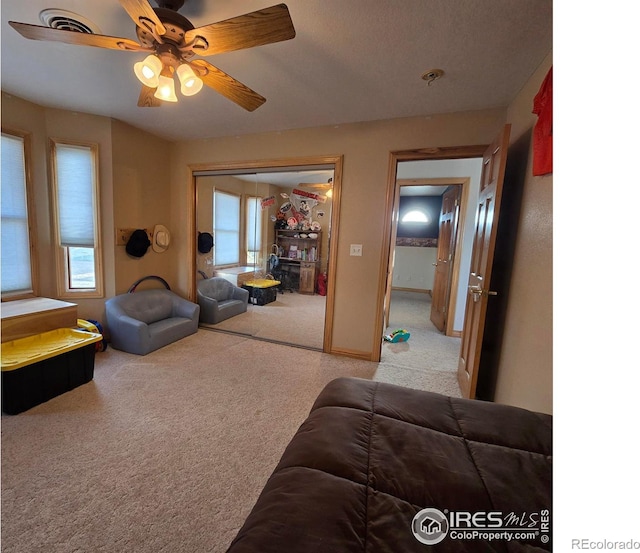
[169, 40]
[166, 89]
[190, 83]
[148, 70]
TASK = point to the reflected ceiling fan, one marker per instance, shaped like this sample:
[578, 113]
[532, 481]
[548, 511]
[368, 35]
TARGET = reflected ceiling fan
[314, 185]
[171, 42]
[323, 185]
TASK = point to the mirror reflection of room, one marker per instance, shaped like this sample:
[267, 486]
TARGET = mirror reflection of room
[262, 252]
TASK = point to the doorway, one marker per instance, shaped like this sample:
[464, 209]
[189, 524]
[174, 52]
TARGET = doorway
[410, 303]
[424, 257]
[269, 196]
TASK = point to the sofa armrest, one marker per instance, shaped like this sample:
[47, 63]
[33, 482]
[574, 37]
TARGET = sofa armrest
[207, 303]
[185, 308]
[208, 308]
[127, 333]
[240, 294]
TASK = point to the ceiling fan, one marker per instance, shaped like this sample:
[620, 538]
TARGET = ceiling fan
[315, 185]
[171, 42]
[328, 184]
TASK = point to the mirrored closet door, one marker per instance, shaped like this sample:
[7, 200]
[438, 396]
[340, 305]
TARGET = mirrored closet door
[268, 233]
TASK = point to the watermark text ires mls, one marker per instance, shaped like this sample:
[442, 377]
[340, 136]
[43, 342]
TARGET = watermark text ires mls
[431, 526]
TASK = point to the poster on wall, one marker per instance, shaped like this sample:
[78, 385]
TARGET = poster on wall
[297, 212]
[267, 202]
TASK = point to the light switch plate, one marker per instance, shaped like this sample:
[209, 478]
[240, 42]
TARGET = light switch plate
[356, 249]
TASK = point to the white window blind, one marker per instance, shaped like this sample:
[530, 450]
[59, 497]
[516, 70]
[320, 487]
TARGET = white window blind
[75, 186]
[16, 260]
[226, 225]
[254, 227]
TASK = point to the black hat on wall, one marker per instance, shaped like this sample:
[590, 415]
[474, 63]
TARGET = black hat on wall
[138, 243]
[205, 242]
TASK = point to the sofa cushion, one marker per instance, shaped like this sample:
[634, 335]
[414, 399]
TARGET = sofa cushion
[148, 306]
[216, 288]
[169, 330]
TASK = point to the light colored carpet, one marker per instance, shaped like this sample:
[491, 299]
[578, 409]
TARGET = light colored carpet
[292, 318]
[169, 452]
[162, 453]
[429, 359]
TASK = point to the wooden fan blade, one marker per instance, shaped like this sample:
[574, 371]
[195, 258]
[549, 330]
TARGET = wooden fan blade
[37, 32]
[228, 86]
[147, 98]
[141, 11]
[245, 31]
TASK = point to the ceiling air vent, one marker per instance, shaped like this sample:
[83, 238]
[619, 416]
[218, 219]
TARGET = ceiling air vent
[68, 21]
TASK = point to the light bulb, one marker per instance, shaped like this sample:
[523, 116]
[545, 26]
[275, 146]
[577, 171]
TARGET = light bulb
[190, 83]
[166, 89]
[148, 70]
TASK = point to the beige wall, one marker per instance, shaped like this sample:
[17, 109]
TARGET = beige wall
[365, 147]
[525, 373]
[141, 199]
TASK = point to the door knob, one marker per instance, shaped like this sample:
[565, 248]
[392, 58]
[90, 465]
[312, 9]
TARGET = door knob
[478, 292]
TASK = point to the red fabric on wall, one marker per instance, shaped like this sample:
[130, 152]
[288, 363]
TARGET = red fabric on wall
[543, 130]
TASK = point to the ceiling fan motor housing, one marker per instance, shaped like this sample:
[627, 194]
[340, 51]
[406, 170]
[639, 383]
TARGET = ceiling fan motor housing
[174, 5]
[176, 26]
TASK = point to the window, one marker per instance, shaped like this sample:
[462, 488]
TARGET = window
[18, 262]
[415, 216]
[254, 230]
[75, 192]
[226, 227]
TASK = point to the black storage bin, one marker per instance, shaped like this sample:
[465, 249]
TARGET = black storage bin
[261, 296]
[41, 381]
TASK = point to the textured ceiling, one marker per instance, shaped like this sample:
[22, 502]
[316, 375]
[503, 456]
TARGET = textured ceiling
[351, 61]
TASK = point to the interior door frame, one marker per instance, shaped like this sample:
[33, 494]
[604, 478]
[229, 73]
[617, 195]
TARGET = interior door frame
[390, 218]
[277, 164]
[464, 183]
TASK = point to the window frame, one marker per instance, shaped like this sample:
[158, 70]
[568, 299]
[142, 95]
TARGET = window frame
[63, 278]
[31, 217]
